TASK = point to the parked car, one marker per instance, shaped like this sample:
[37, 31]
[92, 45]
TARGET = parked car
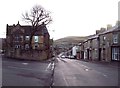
[71, 57]
[1, 51]
[62, 56]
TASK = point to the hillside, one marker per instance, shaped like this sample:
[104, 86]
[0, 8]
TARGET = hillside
[69, 40]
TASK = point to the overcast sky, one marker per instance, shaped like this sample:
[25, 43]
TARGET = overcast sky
[70, 17]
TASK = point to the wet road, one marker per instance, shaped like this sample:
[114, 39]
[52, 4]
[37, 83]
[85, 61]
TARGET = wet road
[26, 73]
[67, 72]
[70, 72]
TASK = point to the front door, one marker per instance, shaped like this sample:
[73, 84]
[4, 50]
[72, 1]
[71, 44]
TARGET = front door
[99, 58]
[88, 54]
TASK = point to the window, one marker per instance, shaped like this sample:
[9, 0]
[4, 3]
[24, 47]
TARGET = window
[27, 38]
[16, 39]
[26, 46]
[21, 38]
[17, 46]
[36, 38]
[36, 46]
[115, 53]
[115, 38]
[104, 38]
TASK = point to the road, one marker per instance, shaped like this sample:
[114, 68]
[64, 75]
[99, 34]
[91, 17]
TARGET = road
[0, 71]
[67, 72]
[26, 73]
[70, 72]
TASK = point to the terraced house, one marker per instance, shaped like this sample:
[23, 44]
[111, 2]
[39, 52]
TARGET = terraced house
[115, 47]
[18, 38]
[94, 47]
[110, 44]
[103, 46]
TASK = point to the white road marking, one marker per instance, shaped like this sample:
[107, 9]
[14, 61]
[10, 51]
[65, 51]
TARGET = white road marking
[64, 79]
[104, 75]
[58, 59]
[25, 63]
[53, 65]
[84, 66]
[20, 68]
[48, 66]
[86, 69]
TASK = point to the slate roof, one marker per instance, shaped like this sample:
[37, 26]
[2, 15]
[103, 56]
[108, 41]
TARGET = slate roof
[27, 28]
[113, 29]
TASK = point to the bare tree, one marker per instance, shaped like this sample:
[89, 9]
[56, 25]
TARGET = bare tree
[36, 17]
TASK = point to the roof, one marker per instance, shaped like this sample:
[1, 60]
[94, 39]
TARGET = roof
[113, 29]
[27, 28]
[93, 37]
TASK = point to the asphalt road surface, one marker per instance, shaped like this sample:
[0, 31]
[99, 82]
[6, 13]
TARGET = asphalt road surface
[67, 72]
[0, 71]
[70, 72]
[26, 73]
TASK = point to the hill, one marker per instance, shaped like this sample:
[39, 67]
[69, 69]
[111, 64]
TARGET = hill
[70, 40]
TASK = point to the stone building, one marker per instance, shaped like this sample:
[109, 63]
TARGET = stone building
[86, 50]
[80, 51]
[94, 47]
[18, 42]
[110, 44]
[103, 46]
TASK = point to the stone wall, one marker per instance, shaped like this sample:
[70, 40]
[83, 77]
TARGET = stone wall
[29, 55]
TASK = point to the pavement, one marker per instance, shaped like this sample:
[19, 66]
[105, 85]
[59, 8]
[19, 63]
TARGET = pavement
[112, 63]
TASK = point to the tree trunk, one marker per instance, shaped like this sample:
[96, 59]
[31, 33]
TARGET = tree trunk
[34, 29]
[30, 42]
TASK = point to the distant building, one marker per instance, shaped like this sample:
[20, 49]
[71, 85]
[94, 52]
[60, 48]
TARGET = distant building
[18, 38]
[74, 51]
[2, 45]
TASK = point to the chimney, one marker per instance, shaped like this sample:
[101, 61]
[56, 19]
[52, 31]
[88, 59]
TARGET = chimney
[97, 32]
[109, 26]
[18, 22]
[118, 23]
[7, 25]
[13, 25]
[102, 29]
